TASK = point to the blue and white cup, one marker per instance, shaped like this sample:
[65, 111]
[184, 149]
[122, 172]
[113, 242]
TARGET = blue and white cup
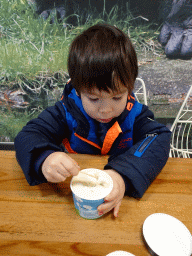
[87, 198]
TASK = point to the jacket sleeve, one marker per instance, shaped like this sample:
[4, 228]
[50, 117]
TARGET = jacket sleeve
[39, 138]
[140, 164]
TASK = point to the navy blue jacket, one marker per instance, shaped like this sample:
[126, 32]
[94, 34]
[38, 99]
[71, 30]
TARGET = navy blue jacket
[138, 146]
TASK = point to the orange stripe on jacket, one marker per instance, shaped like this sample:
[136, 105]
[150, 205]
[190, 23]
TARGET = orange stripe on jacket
[110, 137]
[68, 147]
[88, 141]
[129, 106]
[131, 97]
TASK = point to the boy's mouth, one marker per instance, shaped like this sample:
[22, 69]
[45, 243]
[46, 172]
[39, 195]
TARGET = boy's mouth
[105, 120]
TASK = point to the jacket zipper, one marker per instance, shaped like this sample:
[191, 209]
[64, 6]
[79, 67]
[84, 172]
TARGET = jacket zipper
[144, 145]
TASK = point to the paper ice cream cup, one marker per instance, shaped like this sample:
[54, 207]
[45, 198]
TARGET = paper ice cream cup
[120, 253]
[87, 197]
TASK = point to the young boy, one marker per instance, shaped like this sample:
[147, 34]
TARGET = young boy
[97, 114]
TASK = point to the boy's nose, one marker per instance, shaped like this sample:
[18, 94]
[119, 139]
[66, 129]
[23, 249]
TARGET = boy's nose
[105, 109]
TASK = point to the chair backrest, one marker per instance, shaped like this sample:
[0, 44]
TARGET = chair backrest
[140, 91]
[181, 141]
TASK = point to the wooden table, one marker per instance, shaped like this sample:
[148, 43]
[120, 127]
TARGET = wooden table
[41, 220]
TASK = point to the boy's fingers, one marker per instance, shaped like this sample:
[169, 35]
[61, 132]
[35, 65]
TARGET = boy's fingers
[110, 201]
[116, 209]
[58, 166]
[104, 208]
[71, 166]
[55, 176]
[114, 194]
[63, 172]
[107, 206]
[58, 178]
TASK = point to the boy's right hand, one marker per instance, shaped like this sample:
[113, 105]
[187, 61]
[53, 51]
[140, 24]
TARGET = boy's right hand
[58, 166]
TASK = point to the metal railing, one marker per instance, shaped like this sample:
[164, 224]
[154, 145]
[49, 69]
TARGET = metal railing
[7, 146]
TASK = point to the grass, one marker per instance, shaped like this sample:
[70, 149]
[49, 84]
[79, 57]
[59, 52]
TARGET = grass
[33, 54]
[28, 44]
[11, 123]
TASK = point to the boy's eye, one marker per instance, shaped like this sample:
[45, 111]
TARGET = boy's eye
[117, 98]
[93, 99]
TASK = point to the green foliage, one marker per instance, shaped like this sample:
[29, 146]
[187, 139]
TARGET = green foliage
[31, 47]
[11, 122]
[30, 44]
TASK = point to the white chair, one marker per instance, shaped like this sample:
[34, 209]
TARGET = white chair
[140, 91]
[181, 141]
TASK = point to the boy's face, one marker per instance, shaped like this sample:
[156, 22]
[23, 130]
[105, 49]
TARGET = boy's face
[103, 106]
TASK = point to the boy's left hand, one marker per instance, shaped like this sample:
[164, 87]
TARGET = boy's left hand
[113, 200]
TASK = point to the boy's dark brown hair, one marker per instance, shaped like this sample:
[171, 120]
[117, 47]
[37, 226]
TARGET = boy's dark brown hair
[102, 57]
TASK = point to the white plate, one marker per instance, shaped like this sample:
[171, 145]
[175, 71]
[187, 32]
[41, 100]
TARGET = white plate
[166, 235]
[120, 253]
